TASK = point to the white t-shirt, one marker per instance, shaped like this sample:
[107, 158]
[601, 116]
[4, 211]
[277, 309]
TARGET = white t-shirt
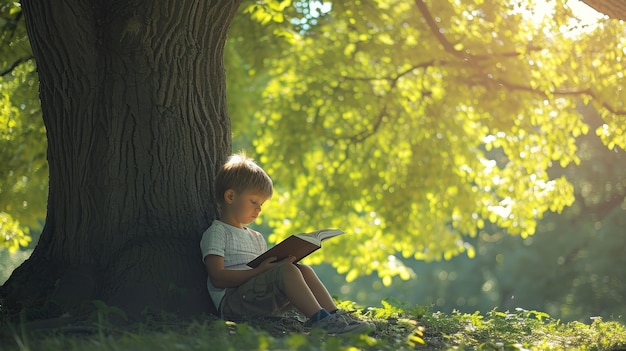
[237, 246]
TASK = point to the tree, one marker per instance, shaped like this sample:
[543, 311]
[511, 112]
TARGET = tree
[133, 100]
[413, 124]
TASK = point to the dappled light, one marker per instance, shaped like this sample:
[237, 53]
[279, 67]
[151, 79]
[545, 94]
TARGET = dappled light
[473, 151]
[450, 120]
[439, 128]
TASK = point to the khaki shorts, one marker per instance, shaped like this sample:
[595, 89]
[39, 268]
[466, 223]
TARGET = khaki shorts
[262, 295]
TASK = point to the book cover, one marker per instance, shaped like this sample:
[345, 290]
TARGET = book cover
[298, 245]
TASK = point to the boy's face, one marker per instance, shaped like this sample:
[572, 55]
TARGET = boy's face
[243, 208]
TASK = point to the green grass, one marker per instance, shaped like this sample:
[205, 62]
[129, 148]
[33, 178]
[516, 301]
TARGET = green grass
[398, 327]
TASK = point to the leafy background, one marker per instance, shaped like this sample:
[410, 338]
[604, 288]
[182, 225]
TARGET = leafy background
[472, 150]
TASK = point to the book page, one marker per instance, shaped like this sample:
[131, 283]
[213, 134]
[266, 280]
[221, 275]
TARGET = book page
[329, 233]
[318, 236]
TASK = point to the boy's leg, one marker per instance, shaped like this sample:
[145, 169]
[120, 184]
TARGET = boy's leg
[299, 292]
[266, 293]
[316, 286]
[326, 301]
[294, 284]
[260, 296]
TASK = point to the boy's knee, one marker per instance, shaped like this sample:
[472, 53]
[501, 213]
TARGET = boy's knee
[289, 268]
[291, 271]
[306, 270]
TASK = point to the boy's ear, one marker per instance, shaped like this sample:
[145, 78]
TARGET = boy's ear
[229, 196]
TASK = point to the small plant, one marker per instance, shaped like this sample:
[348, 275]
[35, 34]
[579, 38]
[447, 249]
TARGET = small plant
[102, 314]
[399, 327]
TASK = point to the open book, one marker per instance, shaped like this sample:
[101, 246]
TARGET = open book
[298, 245]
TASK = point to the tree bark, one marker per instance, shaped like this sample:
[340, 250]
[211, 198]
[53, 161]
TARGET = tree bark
[133, 100]
[615, 9]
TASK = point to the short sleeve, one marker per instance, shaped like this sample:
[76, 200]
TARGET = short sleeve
[213, 241]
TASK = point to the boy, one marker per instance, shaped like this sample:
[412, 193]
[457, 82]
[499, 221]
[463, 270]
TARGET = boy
[241, 292]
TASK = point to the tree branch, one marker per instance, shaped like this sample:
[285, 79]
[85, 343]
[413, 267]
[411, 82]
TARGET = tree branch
[14, 65]
[361, 136]
[563, 92]
[434, 28]
[447, 45]
[613, 8]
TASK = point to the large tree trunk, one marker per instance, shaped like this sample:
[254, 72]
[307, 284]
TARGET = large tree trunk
[133, 99]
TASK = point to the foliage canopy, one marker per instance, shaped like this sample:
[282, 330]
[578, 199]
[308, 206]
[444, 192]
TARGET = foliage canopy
[414, 124]
[23, 167]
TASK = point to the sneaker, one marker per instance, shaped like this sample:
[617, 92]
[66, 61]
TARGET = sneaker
[350, 319]
[336, 324]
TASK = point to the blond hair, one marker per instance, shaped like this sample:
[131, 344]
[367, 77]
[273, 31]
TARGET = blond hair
[241, 174]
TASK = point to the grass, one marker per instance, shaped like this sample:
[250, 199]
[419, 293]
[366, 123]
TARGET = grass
[398, 327]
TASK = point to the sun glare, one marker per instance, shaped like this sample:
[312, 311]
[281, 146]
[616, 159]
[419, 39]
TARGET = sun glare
[585, 14]
[584, 20]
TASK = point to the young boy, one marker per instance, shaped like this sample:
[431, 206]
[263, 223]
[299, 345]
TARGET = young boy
[240, 292]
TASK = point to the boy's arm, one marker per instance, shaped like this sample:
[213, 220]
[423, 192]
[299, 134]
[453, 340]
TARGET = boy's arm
[229, 278]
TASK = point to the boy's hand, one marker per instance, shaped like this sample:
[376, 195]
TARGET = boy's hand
[268, 263]
[289, 259]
